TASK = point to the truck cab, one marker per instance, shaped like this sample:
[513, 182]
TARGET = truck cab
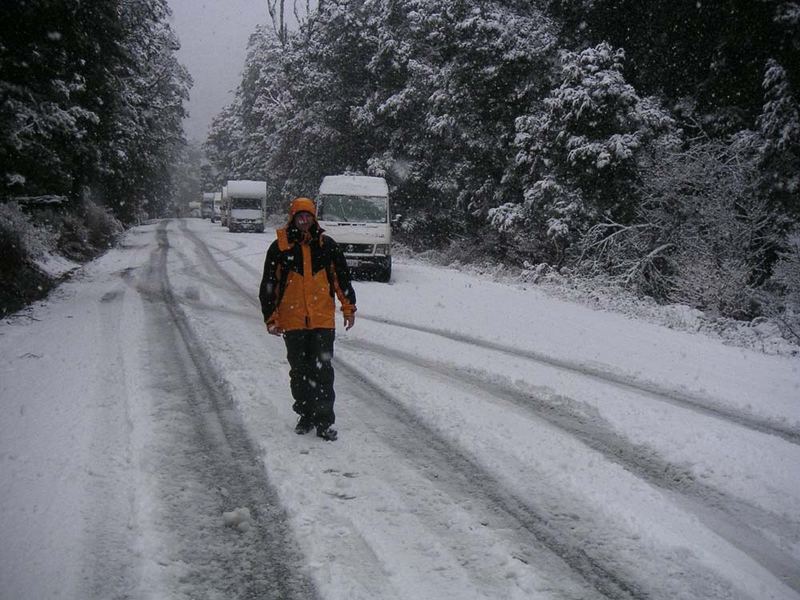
[354, 210]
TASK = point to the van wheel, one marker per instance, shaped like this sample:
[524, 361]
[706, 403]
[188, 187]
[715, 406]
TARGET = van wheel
[384, 275]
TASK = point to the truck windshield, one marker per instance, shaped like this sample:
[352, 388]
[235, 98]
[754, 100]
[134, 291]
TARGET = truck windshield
[352, 209]
[254, 203]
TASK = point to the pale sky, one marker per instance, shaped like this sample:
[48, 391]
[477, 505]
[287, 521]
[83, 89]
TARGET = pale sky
[213, 36]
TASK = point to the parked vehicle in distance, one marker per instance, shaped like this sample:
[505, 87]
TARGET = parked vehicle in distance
[207, 210]
[194, 209]
[354, 210]
[247, 205]
[217, 211]
[224, 206]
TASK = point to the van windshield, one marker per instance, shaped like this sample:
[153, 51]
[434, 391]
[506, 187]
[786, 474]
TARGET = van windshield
[352, 209]
[254, 203]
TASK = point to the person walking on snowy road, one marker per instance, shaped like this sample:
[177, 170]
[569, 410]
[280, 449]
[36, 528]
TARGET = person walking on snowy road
[303, 271]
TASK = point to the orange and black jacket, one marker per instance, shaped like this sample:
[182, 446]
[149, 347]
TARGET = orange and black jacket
[301, 277]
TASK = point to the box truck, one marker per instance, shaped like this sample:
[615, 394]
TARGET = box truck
[195, 209]
[207, 211]
[217, 212]
[354, 210]
[224, 206]
[247, 202]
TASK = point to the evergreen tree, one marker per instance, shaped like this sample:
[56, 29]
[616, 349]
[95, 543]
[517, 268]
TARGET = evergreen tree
[710, 53]
[780, 153]
[465, 72]
[580, 157]
[92, 101]
[424, 94]
[144, 132]
[54, 90]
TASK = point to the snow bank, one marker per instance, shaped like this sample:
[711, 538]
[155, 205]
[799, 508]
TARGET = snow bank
[55, 265]
[760, 335]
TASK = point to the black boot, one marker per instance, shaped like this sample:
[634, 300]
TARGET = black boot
[329, 434]
[304, 425]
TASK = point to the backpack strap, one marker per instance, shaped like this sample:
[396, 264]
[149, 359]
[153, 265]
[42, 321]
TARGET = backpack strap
[283, 239]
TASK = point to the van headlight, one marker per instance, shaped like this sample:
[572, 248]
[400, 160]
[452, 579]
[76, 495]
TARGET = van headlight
[382, 249]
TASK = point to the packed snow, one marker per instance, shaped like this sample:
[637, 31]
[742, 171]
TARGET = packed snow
[495, 442]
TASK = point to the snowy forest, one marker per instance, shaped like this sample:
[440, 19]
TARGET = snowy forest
[90, 128]
[653, 144]
[648, 144]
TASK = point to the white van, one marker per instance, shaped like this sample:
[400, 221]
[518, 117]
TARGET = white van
[247, 205]
[217, 207]
[354, 210]
[225, 206]
[207, 211]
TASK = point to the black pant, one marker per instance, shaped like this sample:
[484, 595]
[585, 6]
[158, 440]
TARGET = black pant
[310, 352]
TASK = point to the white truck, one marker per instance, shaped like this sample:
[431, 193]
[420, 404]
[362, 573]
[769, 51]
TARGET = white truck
[354, 210]
[217, 213]
[207, 211]
[247, 205]
[195, 209]
[224, 206]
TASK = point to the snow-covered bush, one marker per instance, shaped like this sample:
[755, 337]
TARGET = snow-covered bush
[20, 240]
[101, 226]
[73, 238]
[21, 243]
[84, 233]
[702, 234]
[783, 305]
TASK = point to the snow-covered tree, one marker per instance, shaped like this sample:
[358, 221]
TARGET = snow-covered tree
[145, 133]
[702, 236]
[187, 178]
[712, 53]
[92, 100]
[54, 88]
[784, 305]
[580, 155]
[421, 92]
[485, 132]
[479, 66]
[225, 139]
[780, 127]
[444, 83]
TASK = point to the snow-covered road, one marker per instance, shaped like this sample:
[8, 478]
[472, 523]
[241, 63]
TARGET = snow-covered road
[494, 443]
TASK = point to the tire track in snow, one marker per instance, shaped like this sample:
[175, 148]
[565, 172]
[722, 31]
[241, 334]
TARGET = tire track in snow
[367, 561]
[537, 522]
[112, 566]
[209, 464]
[423, 446]
[733, 519]
[706, 406]
[210, 261]
[698, 404]
[716, 507]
